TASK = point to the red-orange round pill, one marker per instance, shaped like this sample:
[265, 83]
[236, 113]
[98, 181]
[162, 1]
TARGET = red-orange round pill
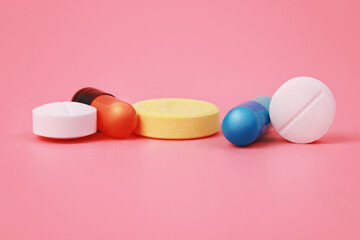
[114, 117]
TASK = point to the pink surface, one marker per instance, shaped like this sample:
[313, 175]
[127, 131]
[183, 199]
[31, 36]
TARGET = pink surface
[220, 51]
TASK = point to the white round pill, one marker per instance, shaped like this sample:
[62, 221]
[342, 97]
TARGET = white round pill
[64, 120]
[302, 109]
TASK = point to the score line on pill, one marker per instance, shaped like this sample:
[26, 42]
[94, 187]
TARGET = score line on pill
[176, 118]
[302, 109]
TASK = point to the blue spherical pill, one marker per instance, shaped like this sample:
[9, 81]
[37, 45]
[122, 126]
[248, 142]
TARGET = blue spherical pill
[246, 122]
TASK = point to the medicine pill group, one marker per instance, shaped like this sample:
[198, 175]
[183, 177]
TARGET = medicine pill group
[301, 111]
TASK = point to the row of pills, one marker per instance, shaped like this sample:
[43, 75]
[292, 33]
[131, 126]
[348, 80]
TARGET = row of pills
[301, 110]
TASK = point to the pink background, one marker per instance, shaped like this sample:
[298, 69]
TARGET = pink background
[225, 52]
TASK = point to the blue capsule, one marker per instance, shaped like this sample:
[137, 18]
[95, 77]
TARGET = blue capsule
[246, 122]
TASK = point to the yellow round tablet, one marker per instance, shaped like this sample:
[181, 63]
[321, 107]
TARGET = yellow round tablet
[176, 118]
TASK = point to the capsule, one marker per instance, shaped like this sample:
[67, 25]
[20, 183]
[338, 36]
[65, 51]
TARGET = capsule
[246, 122]
[114, 117]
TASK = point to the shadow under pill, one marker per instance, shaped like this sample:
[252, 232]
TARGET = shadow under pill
[97, 137]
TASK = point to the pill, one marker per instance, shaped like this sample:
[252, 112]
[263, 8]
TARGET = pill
[64, 120]
[176, 118]
[115, 118]
[246, 122]
[302, 109]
